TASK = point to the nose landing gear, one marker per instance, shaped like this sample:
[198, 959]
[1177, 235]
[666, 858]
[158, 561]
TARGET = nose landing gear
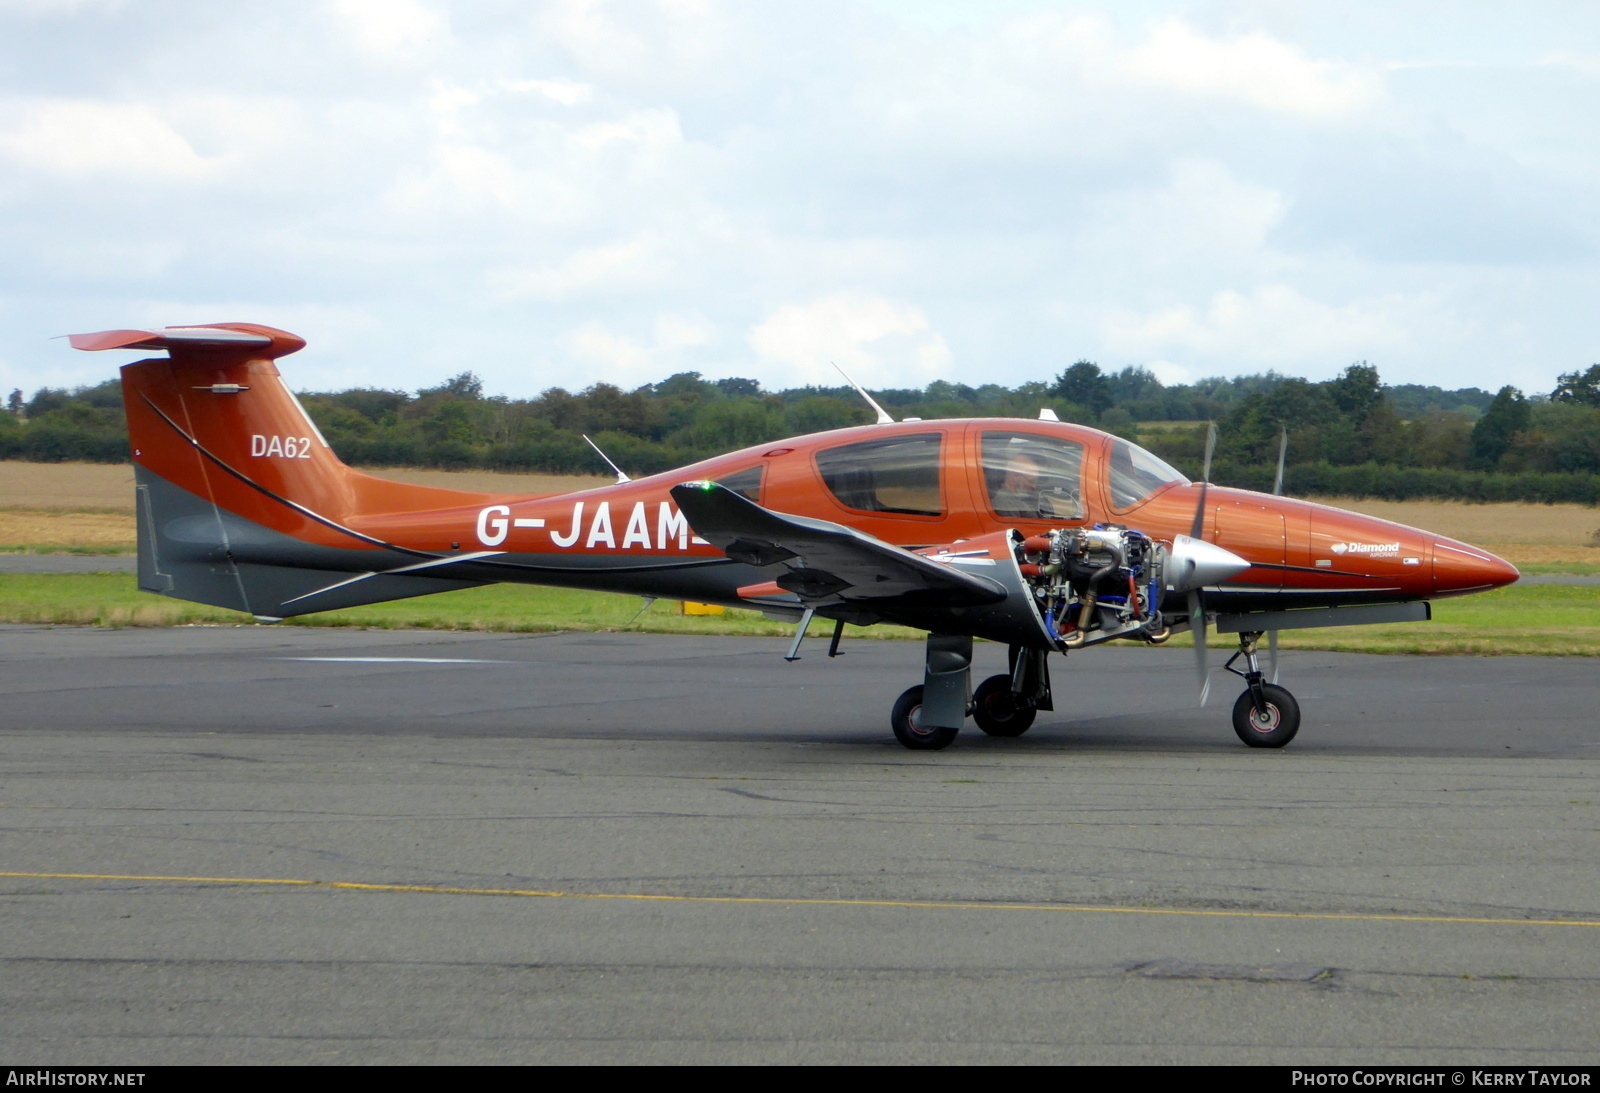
[1265, 715]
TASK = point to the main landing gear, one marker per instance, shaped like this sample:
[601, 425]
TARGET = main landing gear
[928, 717]
[1265, 715]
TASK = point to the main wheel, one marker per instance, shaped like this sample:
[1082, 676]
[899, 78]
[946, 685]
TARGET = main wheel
[1276, 727]
[997, 711]
[912, 734]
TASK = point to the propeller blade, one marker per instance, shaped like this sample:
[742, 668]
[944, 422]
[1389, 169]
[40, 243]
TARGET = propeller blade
[1197, 627]
[1198, 526]
[1283, 452]
[1272, 653]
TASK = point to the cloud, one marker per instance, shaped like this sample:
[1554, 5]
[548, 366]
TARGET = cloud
[565, 92]
[1202, 212]
[1253, 68]
[633, 265]
[1274, 326]
[613, 358]
[392, 30]
[983, 199]
[79, 136]
[880, 342]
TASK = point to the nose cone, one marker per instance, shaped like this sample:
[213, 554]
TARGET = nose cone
[1195, 563]
[1459, 569]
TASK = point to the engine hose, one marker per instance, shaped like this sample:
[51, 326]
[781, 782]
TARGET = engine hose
[1089, 601]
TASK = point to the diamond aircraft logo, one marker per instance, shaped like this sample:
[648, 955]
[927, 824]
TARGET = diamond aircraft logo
[1374, 549]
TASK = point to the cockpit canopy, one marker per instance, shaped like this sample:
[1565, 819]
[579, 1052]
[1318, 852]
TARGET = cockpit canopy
[967, 474]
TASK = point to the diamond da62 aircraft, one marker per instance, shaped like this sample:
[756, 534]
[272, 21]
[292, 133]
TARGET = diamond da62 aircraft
[1043, 536]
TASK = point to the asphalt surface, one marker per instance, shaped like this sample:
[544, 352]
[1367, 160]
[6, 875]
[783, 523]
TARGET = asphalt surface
[749, 869]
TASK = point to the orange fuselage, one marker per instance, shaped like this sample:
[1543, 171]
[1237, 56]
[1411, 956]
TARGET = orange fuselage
[1294, 546]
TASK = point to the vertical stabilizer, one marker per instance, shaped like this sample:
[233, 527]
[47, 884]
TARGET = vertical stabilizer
[241, 503]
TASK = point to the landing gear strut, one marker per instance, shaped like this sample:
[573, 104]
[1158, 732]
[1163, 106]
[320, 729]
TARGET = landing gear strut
[1265, 715]
[1006, 705]
[928, 717]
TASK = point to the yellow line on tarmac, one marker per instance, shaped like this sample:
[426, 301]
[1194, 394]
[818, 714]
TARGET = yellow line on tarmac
[443, 890]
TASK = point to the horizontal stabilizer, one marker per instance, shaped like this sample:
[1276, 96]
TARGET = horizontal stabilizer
[260, 342]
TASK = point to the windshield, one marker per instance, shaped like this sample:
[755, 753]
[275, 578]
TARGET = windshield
[1136, 474]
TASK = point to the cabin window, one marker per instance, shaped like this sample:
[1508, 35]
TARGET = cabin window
[1135, 474]
[1033, 477]
[898, 475]
[745, 483]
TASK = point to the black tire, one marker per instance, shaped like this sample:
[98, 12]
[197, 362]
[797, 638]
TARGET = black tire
[996, 710]
[1277, 728]
[912, 735]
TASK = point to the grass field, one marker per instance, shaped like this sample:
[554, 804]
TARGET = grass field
[113, 599]
[1543, 620]
[87, 508]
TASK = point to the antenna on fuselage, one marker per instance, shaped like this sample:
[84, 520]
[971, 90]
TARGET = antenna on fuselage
[883, 415]
[621, 477]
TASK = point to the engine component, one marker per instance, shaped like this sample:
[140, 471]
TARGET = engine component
[1095, 584]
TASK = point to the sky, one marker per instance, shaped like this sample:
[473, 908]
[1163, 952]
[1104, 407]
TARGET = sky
[582, 191]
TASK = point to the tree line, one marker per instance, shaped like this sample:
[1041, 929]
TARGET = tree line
[1352, 435]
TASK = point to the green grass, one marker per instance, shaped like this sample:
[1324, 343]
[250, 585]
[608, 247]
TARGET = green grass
[1523, 620]
[113, 599]
[1546, 620]
[97, 549]
[1566, 569]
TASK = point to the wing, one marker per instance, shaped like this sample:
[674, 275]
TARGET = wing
[826, 564]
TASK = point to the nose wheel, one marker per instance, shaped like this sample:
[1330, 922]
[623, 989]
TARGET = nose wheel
[1265, 715]
[1271, 726]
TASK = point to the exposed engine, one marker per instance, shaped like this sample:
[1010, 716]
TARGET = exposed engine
[1094, 584]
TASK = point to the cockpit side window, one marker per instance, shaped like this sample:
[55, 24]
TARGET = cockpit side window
[1135, 474]
[1033, 477]
[745, 483]
[898, 475]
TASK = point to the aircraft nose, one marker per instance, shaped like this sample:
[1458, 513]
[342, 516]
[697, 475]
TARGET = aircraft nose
[1458, 567]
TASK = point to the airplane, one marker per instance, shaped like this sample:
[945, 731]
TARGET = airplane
[1040, 535]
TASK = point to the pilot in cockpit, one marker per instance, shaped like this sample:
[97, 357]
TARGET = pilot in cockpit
[1033, 478]
[1018, 494]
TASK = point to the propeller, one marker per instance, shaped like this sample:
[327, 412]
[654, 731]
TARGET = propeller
[1192, 565]
[1197, 607]
[1277, 491]
[1197, 627]
[1199, 524]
